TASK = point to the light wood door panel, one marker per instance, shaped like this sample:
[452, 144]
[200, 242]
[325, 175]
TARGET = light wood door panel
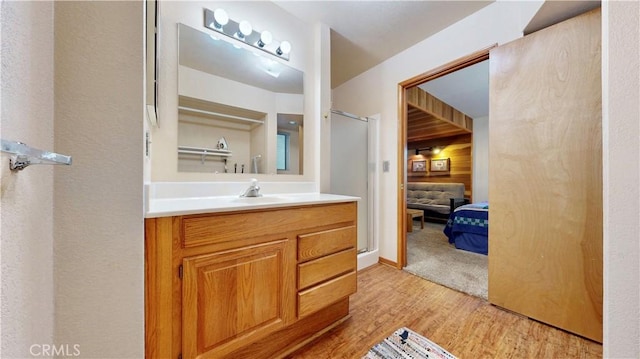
[232, 297]
[545, 176]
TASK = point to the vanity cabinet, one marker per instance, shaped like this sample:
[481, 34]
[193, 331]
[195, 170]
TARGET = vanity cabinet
[257, 283]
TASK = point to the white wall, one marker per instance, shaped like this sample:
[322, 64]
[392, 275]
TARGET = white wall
[98, 204]
[621, 159]
[322, 155]
[290, 103]
[262, 15]
[480, 158]
[204, 86]
[26, 227]
[375, 91]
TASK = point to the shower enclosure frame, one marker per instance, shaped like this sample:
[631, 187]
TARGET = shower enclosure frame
[371, 229]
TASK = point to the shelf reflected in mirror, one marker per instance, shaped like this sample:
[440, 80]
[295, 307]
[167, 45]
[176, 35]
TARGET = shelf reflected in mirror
[247, 98]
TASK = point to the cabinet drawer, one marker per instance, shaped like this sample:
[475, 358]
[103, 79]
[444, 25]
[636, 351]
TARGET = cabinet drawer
[225, 227]
[319, 244]
[318, 297]
[321, 269]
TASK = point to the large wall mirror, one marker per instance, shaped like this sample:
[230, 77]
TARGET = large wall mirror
[239, 111]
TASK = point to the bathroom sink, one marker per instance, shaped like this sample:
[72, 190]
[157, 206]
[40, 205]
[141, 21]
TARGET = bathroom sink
[260, 200]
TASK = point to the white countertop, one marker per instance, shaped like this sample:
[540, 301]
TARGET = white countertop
[167, 207]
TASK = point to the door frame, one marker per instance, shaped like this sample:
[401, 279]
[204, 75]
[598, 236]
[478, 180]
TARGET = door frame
[445, 69]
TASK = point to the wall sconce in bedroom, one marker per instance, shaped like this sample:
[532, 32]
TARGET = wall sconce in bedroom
[219, 21]
[434, 150]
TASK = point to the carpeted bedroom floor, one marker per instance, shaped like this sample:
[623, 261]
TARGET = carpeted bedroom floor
[430, 256]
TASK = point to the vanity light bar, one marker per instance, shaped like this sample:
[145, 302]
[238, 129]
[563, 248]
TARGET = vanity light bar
[242, 31]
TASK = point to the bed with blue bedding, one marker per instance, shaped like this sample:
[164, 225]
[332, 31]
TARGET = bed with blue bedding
[468, 227]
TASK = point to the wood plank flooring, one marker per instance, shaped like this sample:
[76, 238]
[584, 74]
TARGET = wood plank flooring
[467, 327]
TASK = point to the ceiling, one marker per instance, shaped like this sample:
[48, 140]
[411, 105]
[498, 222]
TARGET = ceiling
[366, 33]
[553, 12]
[466, 90]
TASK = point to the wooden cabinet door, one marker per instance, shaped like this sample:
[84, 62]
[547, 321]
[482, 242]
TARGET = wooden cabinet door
[545, 176]
[234, 297]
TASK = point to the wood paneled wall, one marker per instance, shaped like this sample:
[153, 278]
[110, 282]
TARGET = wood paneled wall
[426, 102]
[422, 126]
[457, 149]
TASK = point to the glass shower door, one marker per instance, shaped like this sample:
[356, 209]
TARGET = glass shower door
[350, 169]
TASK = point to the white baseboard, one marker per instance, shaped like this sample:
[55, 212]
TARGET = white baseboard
[367, 259]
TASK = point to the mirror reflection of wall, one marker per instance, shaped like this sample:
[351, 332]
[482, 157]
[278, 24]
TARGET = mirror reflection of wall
[289, 144]
[218, 138]
[233, 93]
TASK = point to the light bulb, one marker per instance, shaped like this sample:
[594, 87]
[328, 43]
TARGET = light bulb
[285, 48]
[220, 18]
[265, 38]
[245, 29]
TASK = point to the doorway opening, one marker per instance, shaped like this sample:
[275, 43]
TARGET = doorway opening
[432, 133]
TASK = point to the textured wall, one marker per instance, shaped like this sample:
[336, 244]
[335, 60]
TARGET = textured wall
[98, 201]
[26, 227]
[621, 151]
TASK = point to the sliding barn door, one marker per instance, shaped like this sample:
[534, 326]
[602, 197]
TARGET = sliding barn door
[545, 176]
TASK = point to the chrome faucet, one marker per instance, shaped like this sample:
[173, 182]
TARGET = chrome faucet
[253, 190]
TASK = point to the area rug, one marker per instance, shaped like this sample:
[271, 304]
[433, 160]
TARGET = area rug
[431, 256]
[405, 343]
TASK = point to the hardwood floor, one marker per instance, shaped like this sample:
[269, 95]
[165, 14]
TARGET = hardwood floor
[466, 326]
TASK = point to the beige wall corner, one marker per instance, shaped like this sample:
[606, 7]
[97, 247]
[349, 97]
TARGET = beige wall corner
[98, 204]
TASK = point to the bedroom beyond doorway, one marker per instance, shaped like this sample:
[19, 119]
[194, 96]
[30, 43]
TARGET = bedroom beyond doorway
[432, 257]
